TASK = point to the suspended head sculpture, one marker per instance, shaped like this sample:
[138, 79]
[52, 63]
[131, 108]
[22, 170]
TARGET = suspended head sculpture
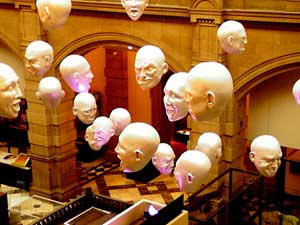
[38, 58]
[134, 8]
[232, 37]
[99, 132]
[211, 145]
[10, 92]
[53, 13]
[265, 153]
[163, 158]
[50, 92]
[191, 169]
[120, 118]
[174, 102]
[137, 144]
[85, 107]
[150, 66]
[296, 91]
[208, 90]
[76, 72]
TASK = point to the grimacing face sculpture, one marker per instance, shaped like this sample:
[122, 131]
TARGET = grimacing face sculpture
[137, 144]
[134, 8]
[163, 159]
[211, 145]
[38, 58]
[50, 92]
[174, 102]
[120, 118]
[208, 90]
[76, 72]
[191, 169]
[53, 13]
[10, 92]
[85, 107]
[150, 66]
[99, 132]
[265, 153]
[232, 37]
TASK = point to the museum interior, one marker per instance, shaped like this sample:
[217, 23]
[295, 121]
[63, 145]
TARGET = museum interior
[50, 174]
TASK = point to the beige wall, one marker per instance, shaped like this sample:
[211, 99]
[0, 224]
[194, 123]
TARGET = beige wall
[274, 111]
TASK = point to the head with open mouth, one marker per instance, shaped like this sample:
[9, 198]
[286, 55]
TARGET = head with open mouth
[134, 8]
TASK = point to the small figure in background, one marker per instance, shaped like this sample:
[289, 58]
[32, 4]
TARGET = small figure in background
[174, 102]
[265, 153]
[121, 118]
[53, 13]
[163, 158]
[76, 72]
[50, 92]
[211, 145]
[232, 37]
[85, 107]
[134, 8]
[99, 132]
[191, 169]
[38, 58]
[137, 144]
[150, 66]
[10, 92]
[208, 90]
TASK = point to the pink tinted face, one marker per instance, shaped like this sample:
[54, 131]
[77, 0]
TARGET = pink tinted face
[80, 82]
[102, 137]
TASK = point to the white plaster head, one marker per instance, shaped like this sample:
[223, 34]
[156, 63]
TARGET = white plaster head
[53, 13]
[137, 144]
[76, 72]
[265, 153]
[10, 92]
[296, 91]
[191, 169]
[232, 37]
[174, 101]
[85, 107]
[163, 159]
[121, 118]
[208, 90]
[50, 92]
[134, 8]
[38, 58]
[99, 132]
[211, 145]
[150, 66]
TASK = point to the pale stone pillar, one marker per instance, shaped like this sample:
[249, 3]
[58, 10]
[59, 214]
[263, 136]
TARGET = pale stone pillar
[51, 135]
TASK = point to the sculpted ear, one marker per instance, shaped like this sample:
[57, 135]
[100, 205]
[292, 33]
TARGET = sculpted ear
[138, 154]
[123, 4]
[230, 39]
[211, 99]
[74, 110]
[38, 95]
[165, 68]
[251, 156]
[154, 160]
[45, 14]
[189, 178]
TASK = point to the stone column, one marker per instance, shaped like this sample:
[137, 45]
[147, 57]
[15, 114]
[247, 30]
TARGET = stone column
[51, 135]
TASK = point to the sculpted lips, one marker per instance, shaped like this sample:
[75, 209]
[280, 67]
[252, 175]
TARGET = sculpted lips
[170, 110]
